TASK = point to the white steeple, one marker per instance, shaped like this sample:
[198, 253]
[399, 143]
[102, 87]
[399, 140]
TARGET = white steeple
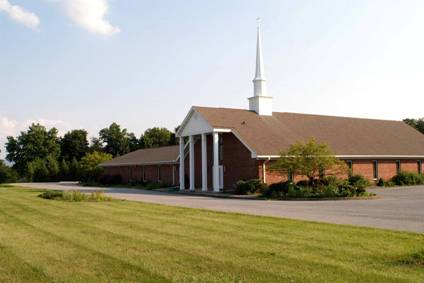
[260, 102]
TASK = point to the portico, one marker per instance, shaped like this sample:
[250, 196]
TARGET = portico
[194, 130]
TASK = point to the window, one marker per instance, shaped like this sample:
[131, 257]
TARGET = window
[375, 169]
[420, 166]
[397, 166]
[350, 167]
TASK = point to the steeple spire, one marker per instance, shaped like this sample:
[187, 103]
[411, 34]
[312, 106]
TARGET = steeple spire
[260, 71]
[260, 102]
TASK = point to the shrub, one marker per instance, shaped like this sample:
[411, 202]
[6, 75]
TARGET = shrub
[73, 196]
[359, 181]
[328, 187]
[277, 190]
[7, 174]
[380, 182]
[250, 187]
[52, 195]
[408, 178]
[99, 196]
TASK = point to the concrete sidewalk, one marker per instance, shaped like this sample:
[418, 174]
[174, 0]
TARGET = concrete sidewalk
[395, 208]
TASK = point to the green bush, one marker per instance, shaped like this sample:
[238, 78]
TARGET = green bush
[52, 195]
[380, 182]
[359, 181]
[75, 196]
[250, 187]
[99, 196]
[407, 179]
[7, 174]
[328, 187]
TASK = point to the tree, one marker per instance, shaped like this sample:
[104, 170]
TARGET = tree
[417, 124]
[90, 169]
[35, 143]
[157, 137]
[133, 142]
[96, 145]
[116, 140]
[308, 159]
[7, 174]
[74, 144]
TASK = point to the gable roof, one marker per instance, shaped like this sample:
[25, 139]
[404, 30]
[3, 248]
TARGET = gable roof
[160, 155]
[269, 135]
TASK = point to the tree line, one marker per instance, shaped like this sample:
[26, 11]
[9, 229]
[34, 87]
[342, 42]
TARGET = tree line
[40, 154]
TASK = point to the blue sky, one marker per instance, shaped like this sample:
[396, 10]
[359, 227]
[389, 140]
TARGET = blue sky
[87, 63]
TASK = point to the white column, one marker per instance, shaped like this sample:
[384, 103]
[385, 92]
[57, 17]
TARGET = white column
[182, 181]
[215, 175]
[192, 172]
[204, 164]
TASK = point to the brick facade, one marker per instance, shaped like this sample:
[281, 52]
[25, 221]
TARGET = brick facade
[166, 173]
[239, 165]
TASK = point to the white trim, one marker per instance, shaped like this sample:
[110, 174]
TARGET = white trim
[221, 130]
[204, 164]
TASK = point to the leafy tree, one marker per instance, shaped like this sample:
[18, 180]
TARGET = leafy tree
[96, 145]
[64, 170]
[53, 168]
[35, 143]
[418, 124]
[133, 142]
[90, 169]
[74, 170]
[308, 159]
[157, 137]
[74, 144]
[7, 174]
[116, 140]
[37, 171]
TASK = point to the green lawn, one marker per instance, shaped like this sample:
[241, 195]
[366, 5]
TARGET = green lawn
[46, 240]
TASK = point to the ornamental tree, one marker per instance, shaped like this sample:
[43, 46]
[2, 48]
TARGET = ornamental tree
[309, 159]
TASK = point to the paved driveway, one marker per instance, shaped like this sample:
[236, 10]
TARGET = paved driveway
[395, 208]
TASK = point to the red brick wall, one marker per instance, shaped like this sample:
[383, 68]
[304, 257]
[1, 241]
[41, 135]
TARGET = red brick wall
[386, 170]
[150, 172]
[237, 161]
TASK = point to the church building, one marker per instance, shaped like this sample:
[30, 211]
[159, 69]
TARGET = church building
[219, 146]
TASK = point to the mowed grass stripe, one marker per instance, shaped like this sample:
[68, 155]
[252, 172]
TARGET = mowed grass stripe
[273, 255]
[46, 244]
[115, 241]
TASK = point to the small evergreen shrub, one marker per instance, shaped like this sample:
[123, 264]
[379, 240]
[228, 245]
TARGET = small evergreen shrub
[52, 195]
[380, 182]
[250, 187]
[277, 190]
[359, 181]
[407, 179]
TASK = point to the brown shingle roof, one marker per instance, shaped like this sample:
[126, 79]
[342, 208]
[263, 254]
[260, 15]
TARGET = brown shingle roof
[268, 135]
[166, 154]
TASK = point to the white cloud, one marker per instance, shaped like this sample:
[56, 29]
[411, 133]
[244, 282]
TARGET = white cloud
[91, 15]
[19, 14]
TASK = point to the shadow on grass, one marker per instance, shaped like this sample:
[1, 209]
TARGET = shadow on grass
[413, 259]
